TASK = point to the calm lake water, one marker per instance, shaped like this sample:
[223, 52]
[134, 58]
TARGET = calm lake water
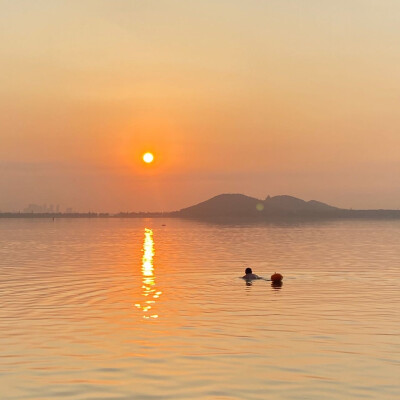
[130, 309]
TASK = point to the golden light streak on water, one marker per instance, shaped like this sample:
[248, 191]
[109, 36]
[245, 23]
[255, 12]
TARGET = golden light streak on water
[148, 282]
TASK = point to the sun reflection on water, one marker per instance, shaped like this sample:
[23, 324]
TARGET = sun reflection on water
[148, 281]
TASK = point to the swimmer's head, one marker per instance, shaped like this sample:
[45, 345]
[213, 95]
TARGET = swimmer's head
[248, 271]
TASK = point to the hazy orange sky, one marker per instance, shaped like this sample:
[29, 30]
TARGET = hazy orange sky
[254, 97]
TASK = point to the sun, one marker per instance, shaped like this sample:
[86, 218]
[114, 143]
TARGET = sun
[148, 158]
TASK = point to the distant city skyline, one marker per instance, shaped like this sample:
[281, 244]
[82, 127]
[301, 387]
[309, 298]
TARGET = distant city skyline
[262, 98]
[42, 208]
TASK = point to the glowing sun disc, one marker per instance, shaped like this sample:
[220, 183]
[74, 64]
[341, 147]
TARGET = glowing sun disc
[148, 158]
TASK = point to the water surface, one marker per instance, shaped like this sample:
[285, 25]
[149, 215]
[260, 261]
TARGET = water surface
[131, 309]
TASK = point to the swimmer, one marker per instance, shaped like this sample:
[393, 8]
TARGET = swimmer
[250, 276]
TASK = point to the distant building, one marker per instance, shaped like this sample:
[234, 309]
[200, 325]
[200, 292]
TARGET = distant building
[35, 208]
[40, 209]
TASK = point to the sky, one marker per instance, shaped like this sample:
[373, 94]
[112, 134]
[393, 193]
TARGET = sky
[296, 97]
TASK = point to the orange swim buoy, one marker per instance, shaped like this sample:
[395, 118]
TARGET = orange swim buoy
[276, 277]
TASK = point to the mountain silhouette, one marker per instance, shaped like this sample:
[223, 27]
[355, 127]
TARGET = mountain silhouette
[223, 205]
[241, 206]
[293, 204]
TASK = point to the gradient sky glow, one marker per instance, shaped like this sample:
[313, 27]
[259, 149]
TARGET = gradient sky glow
[298, 97]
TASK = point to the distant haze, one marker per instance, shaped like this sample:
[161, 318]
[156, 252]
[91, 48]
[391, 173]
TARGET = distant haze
[261, 98]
